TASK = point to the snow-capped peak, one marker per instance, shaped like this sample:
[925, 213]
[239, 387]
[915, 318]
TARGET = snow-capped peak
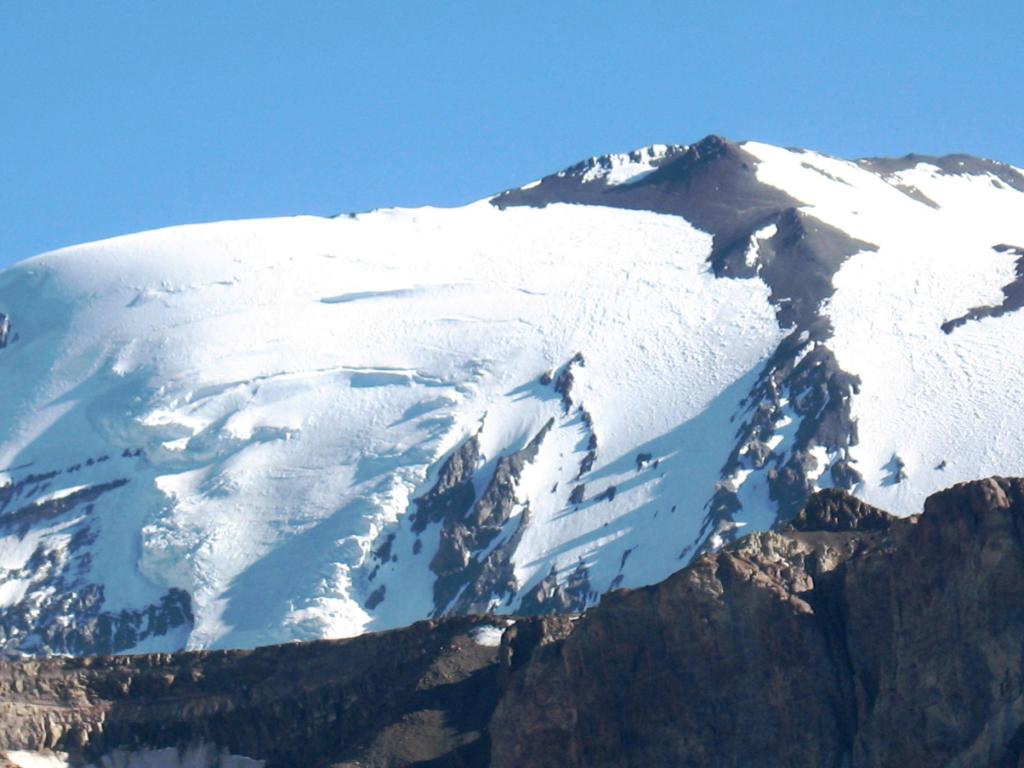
[256, 431]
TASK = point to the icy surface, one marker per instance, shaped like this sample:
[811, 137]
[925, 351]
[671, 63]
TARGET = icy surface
[201, 756]
[623, 168]
[936, 399]
[273, 395]
[287, 384]
[488, 635]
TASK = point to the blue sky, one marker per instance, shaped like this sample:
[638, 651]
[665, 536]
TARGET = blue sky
[121, 116]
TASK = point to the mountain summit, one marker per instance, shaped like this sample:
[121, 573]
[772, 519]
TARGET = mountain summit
[235, 434]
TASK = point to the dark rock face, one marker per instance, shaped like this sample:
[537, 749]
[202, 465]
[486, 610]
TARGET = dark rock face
[410, 697]
[714, 186]
[1013, 294]
[5, 330]
[466, 579]
[952, 165]
[875, 642]
[835, 510]
[849, 639]
[548, 597]
[62, 611]
[757, 231]
[474, 503]
[711, 184]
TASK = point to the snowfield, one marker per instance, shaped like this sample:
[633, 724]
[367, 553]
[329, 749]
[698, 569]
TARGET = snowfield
[193, 757]
[245, 412]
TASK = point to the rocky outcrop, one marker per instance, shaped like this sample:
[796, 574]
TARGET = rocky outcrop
[757, 231]
[469, 572]
[948, 165]
[59, 610]
[848, 638]
[407, 697]
[834, 510]
[874, 642]
[1013, 294]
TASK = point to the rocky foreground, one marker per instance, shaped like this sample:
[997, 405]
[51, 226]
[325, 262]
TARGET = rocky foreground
[848, 638]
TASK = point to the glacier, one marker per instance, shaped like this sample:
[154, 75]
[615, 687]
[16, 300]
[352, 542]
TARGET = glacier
[250, 432]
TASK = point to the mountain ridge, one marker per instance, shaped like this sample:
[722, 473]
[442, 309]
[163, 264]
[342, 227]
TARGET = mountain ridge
[236, 434]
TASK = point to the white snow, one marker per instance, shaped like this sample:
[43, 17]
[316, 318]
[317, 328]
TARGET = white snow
[277, 392]
[764, 233]
[12, 591]
[24, 759]
[487, 635]
[291, 381]
[199, 756]
[924, 394]
[624, 168]
[56, 495]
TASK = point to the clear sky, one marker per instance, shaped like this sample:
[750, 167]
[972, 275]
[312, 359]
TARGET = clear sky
[121, 116]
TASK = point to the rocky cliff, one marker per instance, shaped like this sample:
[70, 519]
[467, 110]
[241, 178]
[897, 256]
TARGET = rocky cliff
[848, 638]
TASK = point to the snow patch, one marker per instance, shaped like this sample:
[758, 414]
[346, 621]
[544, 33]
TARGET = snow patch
[624, 168]
[488, 635]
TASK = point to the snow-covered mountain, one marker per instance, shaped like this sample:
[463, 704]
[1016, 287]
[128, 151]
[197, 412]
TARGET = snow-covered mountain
[248, 432]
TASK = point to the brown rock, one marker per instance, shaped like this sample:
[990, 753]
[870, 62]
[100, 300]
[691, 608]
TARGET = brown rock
[849, 639]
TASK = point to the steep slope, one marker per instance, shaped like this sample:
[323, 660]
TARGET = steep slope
[875, 642]
[848, 638]
[234, 434]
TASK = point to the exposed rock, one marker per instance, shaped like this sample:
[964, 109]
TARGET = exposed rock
[1013, 294]
[376, 597]
[801, 381]
[549, 597]
[5, 329]
[879, 642]
[566, 378]
[401, 698]
[453, 491]
[849, 638]
[897, 469]
[577, 494]
[758, 231]
[948, 165]
[810, 646]
[470, 525]
[712, 184]
[798, 263]
[525, 636]
[835, 510]
[61, 611]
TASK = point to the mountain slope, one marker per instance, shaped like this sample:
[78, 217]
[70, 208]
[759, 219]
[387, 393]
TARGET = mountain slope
[234, 434]
[848, 638]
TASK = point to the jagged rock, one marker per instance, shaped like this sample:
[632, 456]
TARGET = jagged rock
[61, 612]
[833, 509]
[577, 494]
[566, 379]
[453, 491]
[401, 698]
[876, 642]
[549, 597]
[849, 639]
[470, 525]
